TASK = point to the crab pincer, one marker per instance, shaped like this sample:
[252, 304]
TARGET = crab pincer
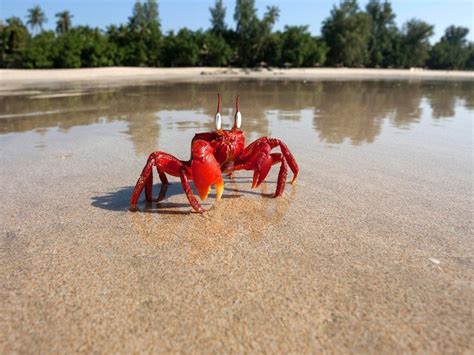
[206, 170]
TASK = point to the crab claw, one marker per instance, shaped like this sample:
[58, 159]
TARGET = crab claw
[206, 170]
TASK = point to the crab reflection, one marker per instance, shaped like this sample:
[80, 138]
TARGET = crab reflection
[240, 216]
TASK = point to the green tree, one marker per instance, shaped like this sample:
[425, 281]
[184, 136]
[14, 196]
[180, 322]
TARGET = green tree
[82, 46]
[350, 37]
[245, 16]
[95, 48]
[144, 35]
[214, 50]
[252, 33]
[218, 17]
[181, 50]
[150, 8]
[14, 41]
[137, 20]
[36, 18]
[347, 32]
[266, 41]
[452, 51]
[470, 59]
[63, 22]
[119, 45]
[272, 49]
[69, 47]
[300, 48]
[42, 51]
[395, 57]
[415, 43]
[383, 33]
[215, 43]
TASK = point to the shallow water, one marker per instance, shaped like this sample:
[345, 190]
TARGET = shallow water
[371, 249]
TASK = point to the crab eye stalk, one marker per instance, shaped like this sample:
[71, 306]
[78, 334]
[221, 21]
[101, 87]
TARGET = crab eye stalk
[217, 118]
[238, 115]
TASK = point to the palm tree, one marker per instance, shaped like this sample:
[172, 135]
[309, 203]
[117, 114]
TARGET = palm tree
[63, 23]
[36, 18]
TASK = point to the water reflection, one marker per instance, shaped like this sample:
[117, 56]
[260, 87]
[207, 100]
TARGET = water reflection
[443, 103]
[361, 108]
[351, 110]
[201, 234]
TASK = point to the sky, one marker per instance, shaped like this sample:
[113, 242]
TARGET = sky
[194, 14]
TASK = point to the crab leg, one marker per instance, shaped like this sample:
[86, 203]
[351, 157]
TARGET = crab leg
[281, 175]
[189, 192]
[257, 157]
[149, 186]
[163, 178]
[286, 153]
[149, 183]
[288, 156]
[165, 163]
[142, 181]
[273, 143]
[263, 164]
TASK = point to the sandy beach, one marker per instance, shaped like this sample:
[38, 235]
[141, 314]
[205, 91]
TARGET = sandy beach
[14, 78]
[370, 252]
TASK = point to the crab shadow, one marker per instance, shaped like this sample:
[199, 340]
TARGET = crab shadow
[119, 201]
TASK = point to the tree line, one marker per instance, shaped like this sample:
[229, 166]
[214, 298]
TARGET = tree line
[350, 37]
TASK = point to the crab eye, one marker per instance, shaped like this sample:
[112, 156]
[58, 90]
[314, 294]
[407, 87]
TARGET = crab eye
[218, 121]
[238, 116]
[238, 119]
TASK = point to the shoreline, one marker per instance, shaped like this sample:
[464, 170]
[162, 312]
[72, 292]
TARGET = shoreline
[13, 79]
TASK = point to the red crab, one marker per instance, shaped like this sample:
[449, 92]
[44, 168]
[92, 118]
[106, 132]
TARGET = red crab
[213, 154]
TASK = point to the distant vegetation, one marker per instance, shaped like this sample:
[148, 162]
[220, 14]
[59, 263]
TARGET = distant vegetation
[350, 36]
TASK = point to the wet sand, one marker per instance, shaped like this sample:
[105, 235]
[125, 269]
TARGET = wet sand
[371, 251]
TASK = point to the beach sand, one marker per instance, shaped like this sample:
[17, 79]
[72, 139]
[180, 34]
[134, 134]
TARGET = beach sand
[370, 251]
[14, 79]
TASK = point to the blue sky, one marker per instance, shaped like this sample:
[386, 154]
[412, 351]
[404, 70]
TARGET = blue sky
[194, 14]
